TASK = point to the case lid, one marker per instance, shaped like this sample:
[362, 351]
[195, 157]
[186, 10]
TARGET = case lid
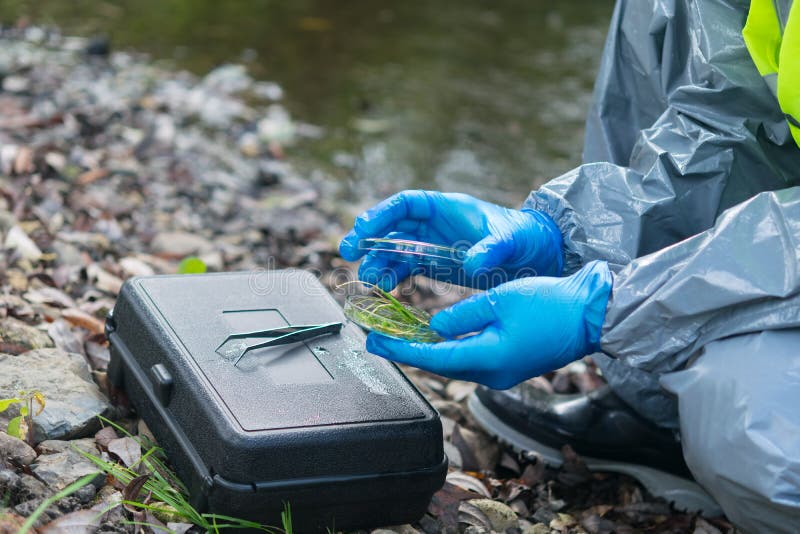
[330, 380]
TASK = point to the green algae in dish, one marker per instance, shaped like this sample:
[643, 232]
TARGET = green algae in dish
[381, 312]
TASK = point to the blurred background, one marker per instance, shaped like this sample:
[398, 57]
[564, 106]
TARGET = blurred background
[461, 95]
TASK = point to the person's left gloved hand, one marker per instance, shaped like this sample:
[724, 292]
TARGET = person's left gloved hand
[525, 328]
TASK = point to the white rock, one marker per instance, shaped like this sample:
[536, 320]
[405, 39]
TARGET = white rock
[18, 240]
[15, 450]
[501, 516]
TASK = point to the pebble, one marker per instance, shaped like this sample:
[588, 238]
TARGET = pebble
[21, 487]
[10, 522]
[73, 400]
[500, 515]
[180, 244]
[60, 464]
[17, 337]
[458, 390]
[538, 528]
[454, 458]
[15, 451]
[16, 84]
[17, 239]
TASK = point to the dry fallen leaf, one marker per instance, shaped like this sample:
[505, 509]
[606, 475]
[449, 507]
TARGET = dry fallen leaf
[105, 436]
[76, 522]
[23, 163]
[131, 492]
[126, 449]
[91, 175]
[84, 320]
[50, 295]
[464, 481]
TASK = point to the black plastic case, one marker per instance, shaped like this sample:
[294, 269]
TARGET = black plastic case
[336, 432]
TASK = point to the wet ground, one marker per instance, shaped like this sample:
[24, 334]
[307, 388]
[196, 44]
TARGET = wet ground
[460, 95]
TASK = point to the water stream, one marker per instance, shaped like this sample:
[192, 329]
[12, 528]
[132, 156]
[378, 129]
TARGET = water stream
[460, 95]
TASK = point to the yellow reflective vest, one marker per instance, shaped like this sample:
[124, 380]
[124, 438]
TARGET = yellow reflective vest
[772, 35]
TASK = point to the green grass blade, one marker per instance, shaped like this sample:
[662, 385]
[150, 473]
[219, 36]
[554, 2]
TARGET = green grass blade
[286, 518]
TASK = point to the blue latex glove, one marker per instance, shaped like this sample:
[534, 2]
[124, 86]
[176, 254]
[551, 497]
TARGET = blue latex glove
[503, 243]
[525, 328]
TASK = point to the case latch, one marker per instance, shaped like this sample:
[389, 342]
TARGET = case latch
[162, 383]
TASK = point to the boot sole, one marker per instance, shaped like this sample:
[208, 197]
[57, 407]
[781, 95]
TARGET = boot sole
[684, 494]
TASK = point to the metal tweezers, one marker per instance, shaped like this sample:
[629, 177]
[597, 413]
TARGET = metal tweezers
[241, 343]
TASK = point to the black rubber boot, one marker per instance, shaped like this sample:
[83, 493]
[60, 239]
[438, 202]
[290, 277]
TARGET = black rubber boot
[607, 433]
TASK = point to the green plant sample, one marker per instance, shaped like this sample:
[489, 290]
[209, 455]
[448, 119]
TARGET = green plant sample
[381, 312]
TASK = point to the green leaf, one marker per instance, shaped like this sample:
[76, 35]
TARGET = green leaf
[191, 265]
[5, 403]
[23, 410]
[13, 427]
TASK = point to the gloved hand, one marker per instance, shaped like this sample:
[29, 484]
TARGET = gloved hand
[503, 243]
[525, 328]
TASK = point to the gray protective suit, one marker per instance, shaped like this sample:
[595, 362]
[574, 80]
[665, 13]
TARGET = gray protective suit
[688, 191]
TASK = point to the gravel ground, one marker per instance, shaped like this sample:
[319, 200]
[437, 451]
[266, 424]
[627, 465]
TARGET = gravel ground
[112, 166]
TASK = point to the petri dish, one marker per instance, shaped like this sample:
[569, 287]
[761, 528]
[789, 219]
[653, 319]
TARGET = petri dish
[415, 252]
[376, 314]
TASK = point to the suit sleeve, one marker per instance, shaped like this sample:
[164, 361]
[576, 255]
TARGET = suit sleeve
[682, 127]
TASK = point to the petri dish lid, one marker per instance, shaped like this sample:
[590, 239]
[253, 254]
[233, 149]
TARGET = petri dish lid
[416, 252]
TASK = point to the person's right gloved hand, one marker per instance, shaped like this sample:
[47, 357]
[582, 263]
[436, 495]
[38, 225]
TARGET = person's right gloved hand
[504, 243]
[512, 332]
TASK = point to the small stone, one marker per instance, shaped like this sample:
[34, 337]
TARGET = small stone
[17, 239]
[519, 507]
[16, 84]
[65, 465]
[17, 279]
[458, 390]
[15, 451]
[180, 244]
[538, 528]
[104, 280]
[501, 516]
[21, 487]
[451, 409]
[98, 46]
[562, 522]
[109, 504]
[73, 400]
[17, 337]
[454, 458]
[448, 425]
[135, 267]
[56, 160]
[249, 145]
[544, 515]
[10, 522]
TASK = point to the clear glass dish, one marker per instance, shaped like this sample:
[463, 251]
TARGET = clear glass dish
[377, 314]
[415, 252]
